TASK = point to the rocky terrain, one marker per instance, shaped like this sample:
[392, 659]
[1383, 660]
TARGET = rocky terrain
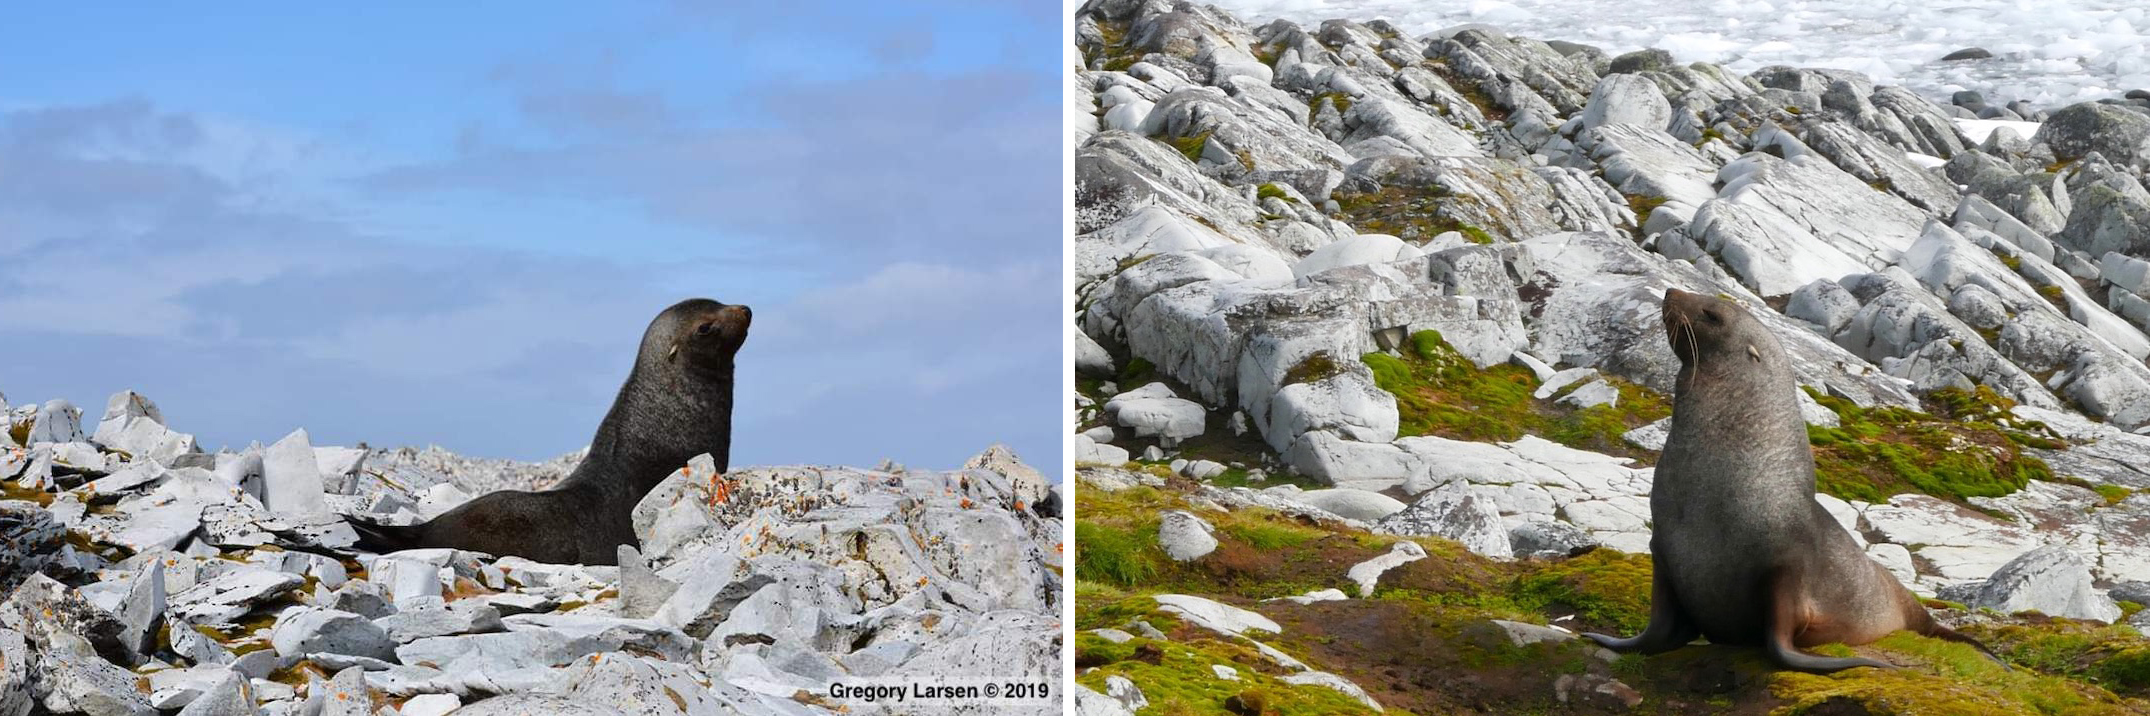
[140, 575]
[1348, 296]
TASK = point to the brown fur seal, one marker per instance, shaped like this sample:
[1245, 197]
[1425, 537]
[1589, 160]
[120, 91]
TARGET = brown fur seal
[677, 404]
[1742, 552]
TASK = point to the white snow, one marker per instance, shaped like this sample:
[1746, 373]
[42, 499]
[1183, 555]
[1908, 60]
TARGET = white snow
[1978, 129]
[2052, 53]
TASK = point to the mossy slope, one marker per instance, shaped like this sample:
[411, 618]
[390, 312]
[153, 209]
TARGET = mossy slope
[1418, 644]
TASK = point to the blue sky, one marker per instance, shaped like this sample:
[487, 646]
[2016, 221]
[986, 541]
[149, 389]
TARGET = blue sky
[411, 225]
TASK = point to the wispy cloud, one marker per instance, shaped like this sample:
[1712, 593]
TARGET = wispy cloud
[893, 221]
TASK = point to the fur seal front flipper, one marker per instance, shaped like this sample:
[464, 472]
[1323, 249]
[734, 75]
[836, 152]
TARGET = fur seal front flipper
[1742, 553]
[676, 404]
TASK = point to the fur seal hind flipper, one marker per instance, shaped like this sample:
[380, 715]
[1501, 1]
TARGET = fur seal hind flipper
[1785, 622]
[381, 539]
[1668, 628]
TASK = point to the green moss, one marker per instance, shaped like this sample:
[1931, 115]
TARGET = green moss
[1953, 453]
[1439, 392]
[1191, 147]
[1112, 55]
[1271, 191]
[1314, 368]
[13, 490]
[1117, 556]
[2054, 295]
[1603, 586]
[1270, 535]
[1137, 372]
[1471, 92]
[1408, 214]
[2116, 658]
[1339, 100]
[1950, 678]
[1643, 205]
[2012, 262]
[1176, 678]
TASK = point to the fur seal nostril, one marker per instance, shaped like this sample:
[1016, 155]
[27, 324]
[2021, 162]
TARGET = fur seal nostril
[676, 404]
[1742, 553]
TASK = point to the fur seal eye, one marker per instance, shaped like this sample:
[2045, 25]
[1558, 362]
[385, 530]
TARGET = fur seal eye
[1752, 353]
[703, 330]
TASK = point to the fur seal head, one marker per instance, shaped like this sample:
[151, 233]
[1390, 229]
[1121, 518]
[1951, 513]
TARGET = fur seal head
[1716, 333]
[698, 333]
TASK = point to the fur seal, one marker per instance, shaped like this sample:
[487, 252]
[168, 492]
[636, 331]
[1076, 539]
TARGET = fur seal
[1742, 552]
[676, 404]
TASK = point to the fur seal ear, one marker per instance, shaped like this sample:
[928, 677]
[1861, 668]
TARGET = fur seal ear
[1752, 353]
[674, 353]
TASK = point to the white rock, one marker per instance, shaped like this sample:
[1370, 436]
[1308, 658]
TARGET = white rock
[1367, 574]
[312, 630]
[1092, 452]
[1593, 393]
[1563, 379]
[1124, 691]
[1323, 678]
[1353, 504]
[1324, 455]
[1455, 512]
[132, 424]
[1318, 595]
[1353, 251]
[1089, 702]
[291, 479]
[1153, 411]
[15, 697]
[57, 421]
[1216, 616]
[1627, 99]
[2051, 579]
[1185, 536]
[430, 705]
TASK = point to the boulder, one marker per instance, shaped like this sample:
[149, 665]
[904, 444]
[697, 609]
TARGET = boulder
[1185, 536]
[2120, 134]
[1345, 502]
[2052, 580]
[1455, 512]
[1153, 411]
[312, 630]
[1368, 573]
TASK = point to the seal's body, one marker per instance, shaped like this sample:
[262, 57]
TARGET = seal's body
[1742, 552]
[676, 404]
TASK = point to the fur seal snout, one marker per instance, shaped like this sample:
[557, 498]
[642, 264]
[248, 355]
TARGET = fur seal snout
[676, 404]
[1742, 554]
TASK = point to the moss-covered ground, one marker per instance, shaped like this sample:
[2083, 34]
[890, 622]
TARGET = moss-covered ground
[1410, 214]
[1439, 392]
[1420, 644]
[1965, 444]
